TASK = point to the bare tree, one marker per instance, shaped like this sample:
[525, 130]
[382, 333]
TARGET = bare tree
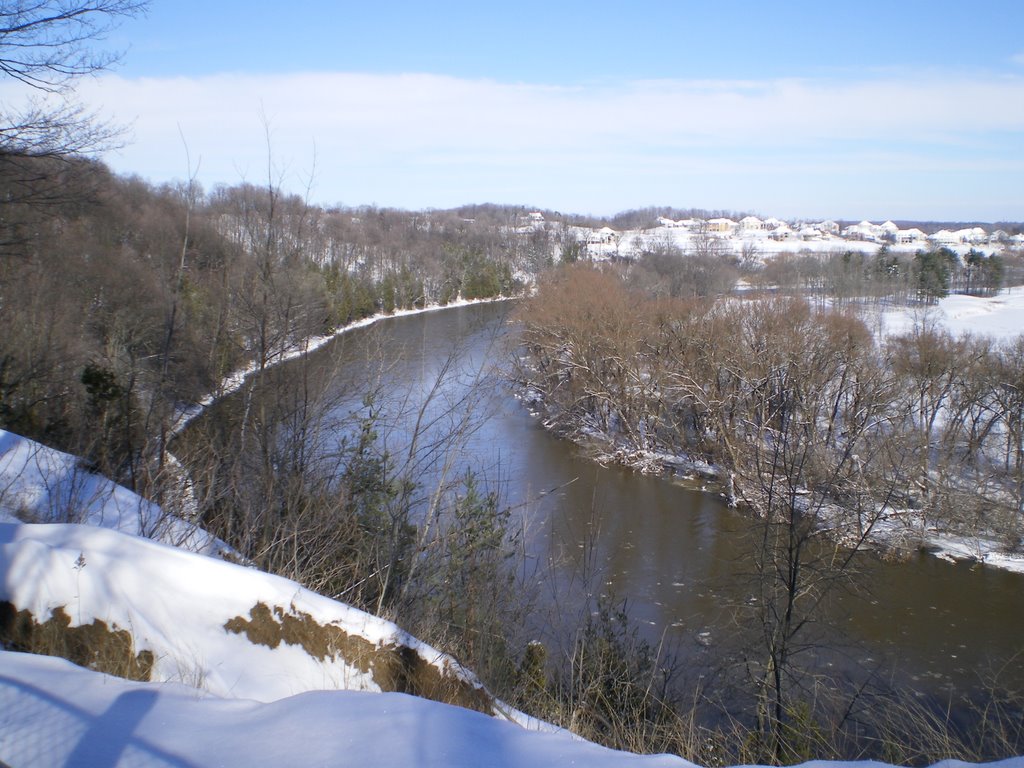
[47, 45]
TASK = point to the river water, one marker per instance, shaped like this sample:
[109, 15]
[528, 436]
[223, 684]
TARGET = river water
[678, 556]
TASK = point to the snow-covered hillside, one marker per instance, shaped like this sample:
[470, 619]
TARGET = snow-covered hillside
[231, 630]
[39, 484]
[245, 668]
[241, 667]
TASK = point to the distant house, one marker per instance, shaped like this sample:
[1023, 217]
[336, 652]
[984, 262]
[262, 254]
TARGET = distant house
[974, 235]
[666, 222]
[721, 225]
[828, 226]
[751, 224]
[912, 235]
[602, 236]
[773, 223]
[781, 232]
[530, 222]
[810, 233]
[944, 237]
[863, 231]
[889, 228]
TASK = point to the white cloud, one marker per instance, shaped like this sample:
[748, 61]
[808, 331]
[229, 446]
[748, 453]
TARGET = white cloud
[1018, 58]
[421, 140]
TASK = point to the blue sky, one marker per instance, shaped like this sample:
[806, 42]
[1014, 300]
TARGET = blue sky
[900, 109]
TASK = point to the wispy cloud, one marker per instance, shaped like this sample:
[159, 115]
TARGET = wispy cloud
[421, 140]
[1018, 58]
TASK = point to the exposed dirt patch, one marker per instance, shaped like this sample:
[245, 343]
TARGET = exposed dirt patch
[94, 645]
[393, 667]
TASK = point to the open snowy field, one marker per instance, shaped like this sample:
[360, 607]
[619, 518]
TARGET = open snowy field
[999, 317]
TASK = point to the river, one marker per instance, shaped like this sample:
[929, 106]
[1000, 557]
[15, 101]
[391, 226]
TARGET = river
[678, 556]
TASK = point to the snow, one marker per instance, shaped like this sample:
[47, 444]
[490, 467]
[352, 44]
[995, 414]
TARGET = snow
[39, 484]
[55, 713]
[105, 570]
[999, 317]
[176, 604]
[905, 527]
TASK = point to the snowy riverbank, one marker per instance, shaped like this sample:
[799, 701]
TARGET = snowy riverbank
[234, 381]
[899, 528]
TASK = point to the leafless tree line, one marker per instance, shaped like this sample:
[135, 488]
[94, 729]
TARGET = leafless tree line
[924, 423]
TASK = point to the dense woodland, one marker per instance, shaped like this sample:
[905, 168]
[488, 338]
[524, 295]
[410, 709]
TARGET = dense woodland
[124, 301]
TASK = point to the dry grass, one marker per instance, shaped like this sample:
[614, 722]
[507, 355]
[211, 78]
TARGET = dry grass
[95, 646]
[394, 667]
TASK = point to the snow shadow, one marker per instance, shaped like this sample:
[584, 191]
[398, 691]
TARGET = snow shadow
[72, 735]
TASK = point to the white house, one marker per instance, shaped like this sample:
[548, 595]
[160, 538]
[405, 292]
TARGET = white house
[530, 222]
[912, 235]
[721, 225]
[945, 237]
[602, 236]
[828, 226]
[751, 224]
[972, 235]
[863, 231]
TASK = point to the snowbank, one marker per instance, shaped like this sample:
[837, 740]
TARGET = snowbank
[54, 713]
[43, 485]
[230, 630]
